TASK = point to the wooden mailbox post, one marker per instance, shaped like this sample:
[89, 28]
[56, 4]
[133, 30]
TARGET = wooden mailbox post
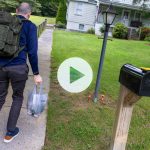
[135, 83]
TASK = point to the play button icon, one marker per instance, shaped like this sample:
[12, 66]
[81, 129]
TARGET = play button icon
[75, 75]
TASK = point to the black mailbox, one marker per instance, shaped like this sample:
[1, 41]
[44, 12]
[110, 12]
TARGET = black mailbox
[135, 79]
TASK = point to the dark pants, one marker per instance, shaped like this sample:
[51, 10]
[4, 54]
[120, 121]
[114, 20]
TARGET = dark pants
[17, 76]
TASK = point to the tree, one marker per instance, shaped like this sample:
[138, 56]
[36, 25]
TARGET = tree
[143, 3]
[10, 5]
[49, 7]
[43, 7]
[61, 14]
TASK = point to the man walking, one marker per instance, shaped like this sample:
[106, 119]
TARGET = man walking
[15, 71]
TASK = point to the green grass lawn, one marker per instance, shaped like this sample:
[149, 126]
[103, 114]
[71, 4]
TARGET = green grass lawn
[38, 20]
[76, 124]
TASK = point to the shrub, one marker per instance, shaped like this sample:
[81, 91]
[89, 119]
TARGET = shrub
[61, 13]
[60, 25]
[91, 31]
[102, 29]
[147, 38]
[145, 31]
[120, 31]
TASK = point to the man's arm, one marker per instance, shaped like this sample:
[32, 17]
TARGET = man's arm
[32, 46]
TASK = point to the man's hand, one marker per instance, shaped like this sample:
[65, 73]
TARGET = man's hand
[37, 79]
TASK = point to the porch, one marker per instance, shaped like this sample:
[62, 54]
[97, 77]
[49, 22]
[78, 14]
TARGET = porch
[131, 18]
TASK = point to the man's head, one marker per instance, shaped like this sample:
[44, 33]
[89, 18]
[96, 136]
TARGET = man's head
[24, 9]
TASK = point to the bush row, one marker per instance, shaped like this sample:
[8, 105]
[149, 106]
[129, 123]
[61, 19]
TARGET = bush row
[121, 31]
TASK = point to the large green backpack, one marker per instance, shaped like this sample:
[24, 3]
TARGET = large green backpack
[10, 28]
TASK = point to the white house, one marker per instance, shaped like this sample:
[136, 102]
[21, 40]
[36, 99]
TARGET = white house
[81, 14]
[85, 14]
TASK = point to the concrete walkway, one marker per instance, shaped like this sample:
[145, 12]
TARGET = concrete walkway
[32, 130]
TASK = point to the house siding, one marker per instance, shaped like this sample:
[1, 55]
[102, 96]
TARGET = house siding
[75, 26]
[87, 18]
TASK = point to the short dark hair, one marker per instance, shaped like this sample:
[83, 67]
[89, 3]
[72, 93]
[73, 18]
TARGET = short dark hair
[24, 8]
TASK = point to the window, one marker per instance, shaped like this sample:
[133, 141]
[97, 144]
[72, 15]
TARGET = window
[100, 18]
[81, 26]
[79, 8]
[126, 15]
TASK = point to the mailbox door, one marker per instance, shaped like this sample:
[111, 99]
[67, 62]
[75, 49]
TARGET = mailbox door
[130, 80]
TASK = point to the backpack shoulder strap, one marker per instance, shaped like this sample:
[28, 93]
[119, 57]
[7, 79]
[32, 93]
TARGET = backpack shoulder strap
[22, 19]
